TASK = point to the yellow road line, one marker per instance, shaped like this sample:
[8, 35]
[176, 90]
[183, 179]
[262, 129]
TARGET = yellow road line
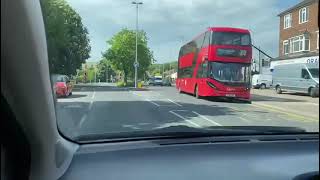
[282, 111]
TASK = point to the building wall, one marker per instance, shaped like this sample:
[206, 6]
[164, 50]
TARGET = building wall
[298, 29]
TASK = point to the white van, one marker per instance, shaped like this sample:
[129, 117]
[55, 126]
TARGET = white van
[262, 81]
[297, 78]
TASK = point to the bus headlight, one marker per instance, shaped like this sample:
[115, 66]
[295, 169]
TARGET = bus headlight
[211, 85]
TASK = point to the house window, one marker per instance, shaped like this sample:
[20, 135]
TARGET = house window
[303, 15]
[299, 43]
[286, 47]
[287, 19]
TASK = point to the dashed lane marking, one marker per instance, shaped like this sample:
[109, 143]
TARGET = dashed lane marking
[152, 102]
[205, 118]
[181, 117]
[175, 103]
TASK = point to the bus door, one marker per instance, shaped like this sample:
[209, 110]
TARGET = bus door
[202, 59]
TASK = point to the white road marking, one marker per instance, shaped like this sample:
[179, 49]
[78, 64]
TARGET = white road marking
[135, 93]
[142, 124]
[90, 105]
[245, 120]
[178, 115]
[130, 126]
[315, 104]
[73, 106]
[152, 102]
[175, 103]
[156, 93]
[83, 118]
[205, 118]
[94, 93]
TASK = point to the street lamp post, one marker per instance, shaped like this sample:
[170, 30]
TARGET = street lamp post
[136, 60]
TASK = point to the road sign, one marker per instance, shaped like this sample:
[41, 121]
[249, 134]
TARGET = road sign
[136, 64]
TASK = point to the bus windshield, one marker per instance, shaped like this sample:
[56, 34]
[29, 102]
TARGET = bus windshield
[230, 73]
[231, 38]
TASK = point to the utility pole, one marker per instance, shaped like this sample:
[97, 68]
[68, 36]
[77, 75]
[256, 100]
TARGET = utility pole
[260, 64]
[136, 64]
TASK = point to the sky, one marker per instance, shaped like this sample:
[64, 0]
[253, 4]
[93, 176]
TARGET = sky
[171, 23]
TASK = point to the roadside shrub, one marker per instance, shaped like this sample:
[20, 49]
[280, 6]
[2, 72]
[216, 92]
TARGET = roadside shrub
[122, 84]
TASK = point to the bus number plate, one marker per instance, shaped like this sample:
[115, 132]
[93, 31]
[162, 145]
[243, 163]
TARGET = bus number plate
[230, 95]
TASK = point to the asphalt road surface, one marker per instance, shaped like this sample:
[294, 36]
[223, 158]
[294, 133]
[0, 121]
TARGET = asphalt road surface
[104, 108]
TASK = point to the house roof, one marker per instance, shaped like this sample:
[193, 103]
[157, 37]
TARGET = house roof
[301, 4]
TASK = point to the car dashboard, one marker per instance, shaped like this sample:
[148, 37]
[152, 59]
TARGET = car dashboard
[286, 157]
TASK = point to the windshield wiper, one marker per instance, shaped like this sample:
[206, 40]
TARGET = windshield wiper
[183, 131]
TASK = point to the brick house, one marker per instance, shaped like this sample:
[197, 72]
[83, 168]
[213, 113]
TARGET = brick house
[299, 31]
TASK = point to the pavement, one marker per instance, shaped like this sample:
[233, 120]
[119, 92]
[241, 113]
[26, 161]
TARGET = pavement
[105, 108]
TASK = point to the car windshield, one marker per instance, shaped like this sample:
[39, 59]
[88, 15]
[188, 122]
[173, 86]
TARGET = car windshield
[230, 38]
[314, 72]
[136, 69]
[230, 72]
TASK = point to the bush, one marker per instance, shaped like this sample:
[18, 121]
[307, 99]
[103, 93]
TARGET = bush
[122, 84]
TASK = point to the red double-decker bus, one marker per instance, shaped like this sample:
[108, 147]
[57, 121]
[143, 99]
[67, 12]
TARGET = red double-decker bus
[216, 63]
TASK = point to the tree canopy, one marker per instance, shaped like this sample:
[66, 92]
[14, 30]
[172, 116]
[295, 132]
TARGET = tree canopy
[157, 69]
[67, 38]
[121, 53]
[105, 70]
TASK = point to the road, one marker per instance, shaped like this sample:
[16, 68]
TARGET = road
[104, 108]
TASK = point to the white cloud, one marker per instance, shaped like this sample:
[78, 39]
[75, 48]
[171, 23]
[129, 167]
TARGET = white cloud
[170, 23]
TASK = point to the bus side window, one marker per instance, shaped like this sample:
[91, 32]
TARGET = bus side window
[206, 39]
[199, 74]
[204, 69]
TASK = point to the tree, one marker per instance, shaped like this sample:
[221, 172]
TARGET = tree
[91, 74]
[105, 70]
[121, 53]
[156, 69]
[67, 38]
